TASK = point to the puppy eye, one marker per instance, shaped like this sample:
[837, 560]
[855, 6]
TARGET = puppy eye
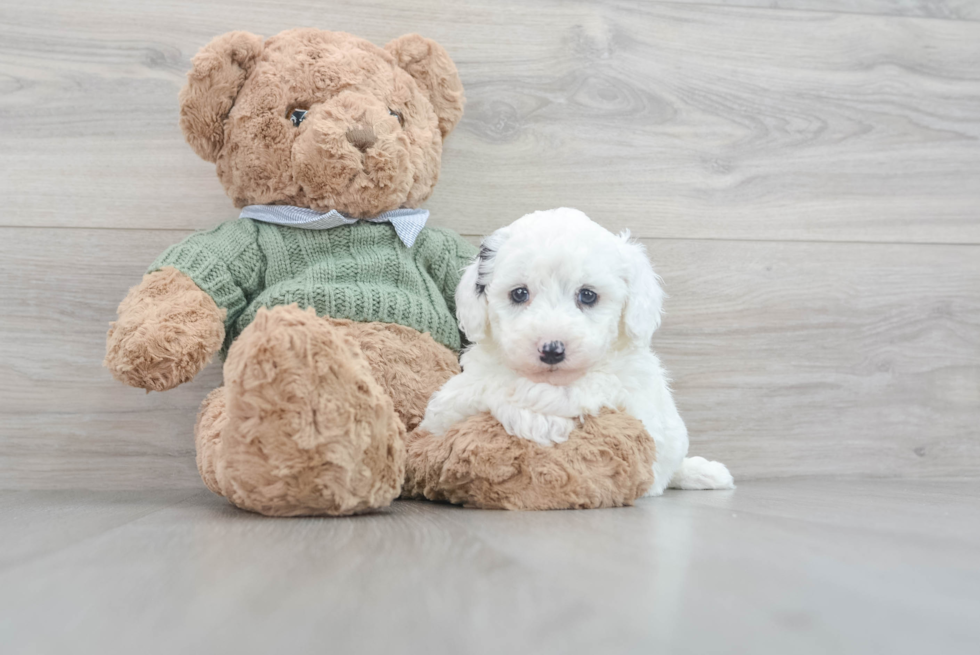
[587, 297]
[519, 295]
[297, 116]
[397, 114]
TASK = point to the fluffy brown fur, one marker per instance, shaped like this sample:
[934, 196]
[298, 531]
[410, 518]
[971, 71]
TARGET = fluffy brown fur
[409, 366]
[211, 420]
[310, 420]
[607, 462]
[240, 92]
[167, 331]
[307, 429]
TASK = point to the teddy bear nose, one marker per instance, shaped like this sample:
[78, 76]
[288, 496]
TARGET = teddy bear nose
[361, 138]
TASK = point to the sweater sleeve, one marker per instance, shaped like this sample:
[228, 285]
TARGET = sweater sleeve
[458, 256]
[226, 263]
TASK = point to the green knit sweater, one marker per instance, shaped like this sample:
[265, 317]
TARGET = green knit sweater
[362, 272]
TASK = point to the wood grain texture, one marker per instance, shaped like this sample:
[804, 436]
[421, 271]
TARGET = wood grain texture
[793, 174]
[941, 9]
[775, 567]
[788, 359]
[681, 121]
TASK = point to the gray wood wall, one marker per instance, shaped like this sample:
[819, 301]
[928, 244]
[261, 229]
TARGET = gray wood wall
[805, 174]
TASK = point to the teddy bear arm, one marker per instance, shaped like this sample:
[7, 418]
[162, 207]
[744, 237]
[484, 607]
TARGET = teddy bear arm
[167, 330]
[607, 461]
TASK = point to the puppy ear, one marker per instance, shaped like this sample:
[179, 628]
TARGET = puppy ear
[217, 74]
[471, 303]
[645, 299]
[472, 306]
[433, 70]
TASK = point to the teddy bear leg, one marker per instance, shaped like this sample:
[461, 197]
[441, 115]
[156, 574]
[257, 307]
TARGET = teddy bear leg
[211, 420]
[308, 430]
[409, 365]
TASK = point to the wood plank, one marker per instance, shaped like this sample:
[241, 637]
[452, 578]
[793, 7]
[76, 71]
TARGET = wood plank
[941, 9]
[683, 121]
[788, 359]
[789, 566]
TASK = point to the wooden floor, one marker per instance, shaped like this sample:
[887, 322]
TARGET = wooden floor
[806, 177]
[788, 566]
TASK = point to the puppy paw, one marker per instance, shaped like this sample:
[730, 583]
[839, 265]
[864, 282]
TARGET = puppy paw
[546, 430]
[542, 429]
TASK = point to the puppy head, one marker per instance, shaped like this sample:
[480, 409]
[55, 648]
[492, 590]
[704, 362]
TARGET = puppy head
[556, 293]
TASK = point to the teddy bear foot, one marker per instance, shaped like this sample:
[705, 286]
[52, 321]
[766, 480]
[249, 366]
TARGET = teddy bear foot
[300, 427]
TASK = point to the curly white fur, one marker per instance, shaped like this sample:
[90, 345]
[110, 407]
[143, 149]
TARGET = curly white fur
[606, 359]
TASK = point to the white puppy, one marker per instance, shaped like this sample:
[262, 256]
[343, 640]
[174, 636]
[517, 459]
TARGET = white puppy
[560, 313]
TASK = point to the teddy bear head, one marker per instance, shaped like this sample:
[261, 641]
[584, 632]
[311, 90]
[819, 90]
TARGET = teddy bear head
[321, 119]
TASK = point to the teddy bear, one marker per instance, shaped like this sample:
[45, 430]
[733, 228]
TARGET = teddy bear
[329, 300]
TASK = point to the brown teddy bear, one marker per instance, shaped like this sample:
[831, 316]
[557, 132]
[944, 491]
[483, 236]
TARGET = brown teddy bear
[329, 300]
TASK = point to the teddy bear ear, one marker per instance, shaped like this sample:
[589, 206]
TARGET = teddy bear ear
[217, 74]
[433, 70]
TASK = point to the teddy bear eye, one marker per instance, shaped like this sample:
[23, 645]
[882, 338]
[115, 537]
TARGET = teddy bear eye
[297, 116]
[397, 114]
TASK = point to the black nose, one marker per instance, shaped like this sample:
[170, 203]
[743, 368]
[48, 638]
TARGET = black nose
[552, 352]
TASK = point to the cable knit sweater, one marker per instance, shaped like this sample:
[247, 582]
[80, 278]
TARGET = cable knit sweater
[362, 272]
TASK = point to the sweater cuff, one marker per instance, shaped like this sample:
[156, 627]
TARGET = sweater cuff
[208, 272]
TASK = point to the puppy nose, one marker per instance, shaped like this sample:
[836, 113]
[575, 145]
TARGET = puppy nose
[553, 352]
[361, 138]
